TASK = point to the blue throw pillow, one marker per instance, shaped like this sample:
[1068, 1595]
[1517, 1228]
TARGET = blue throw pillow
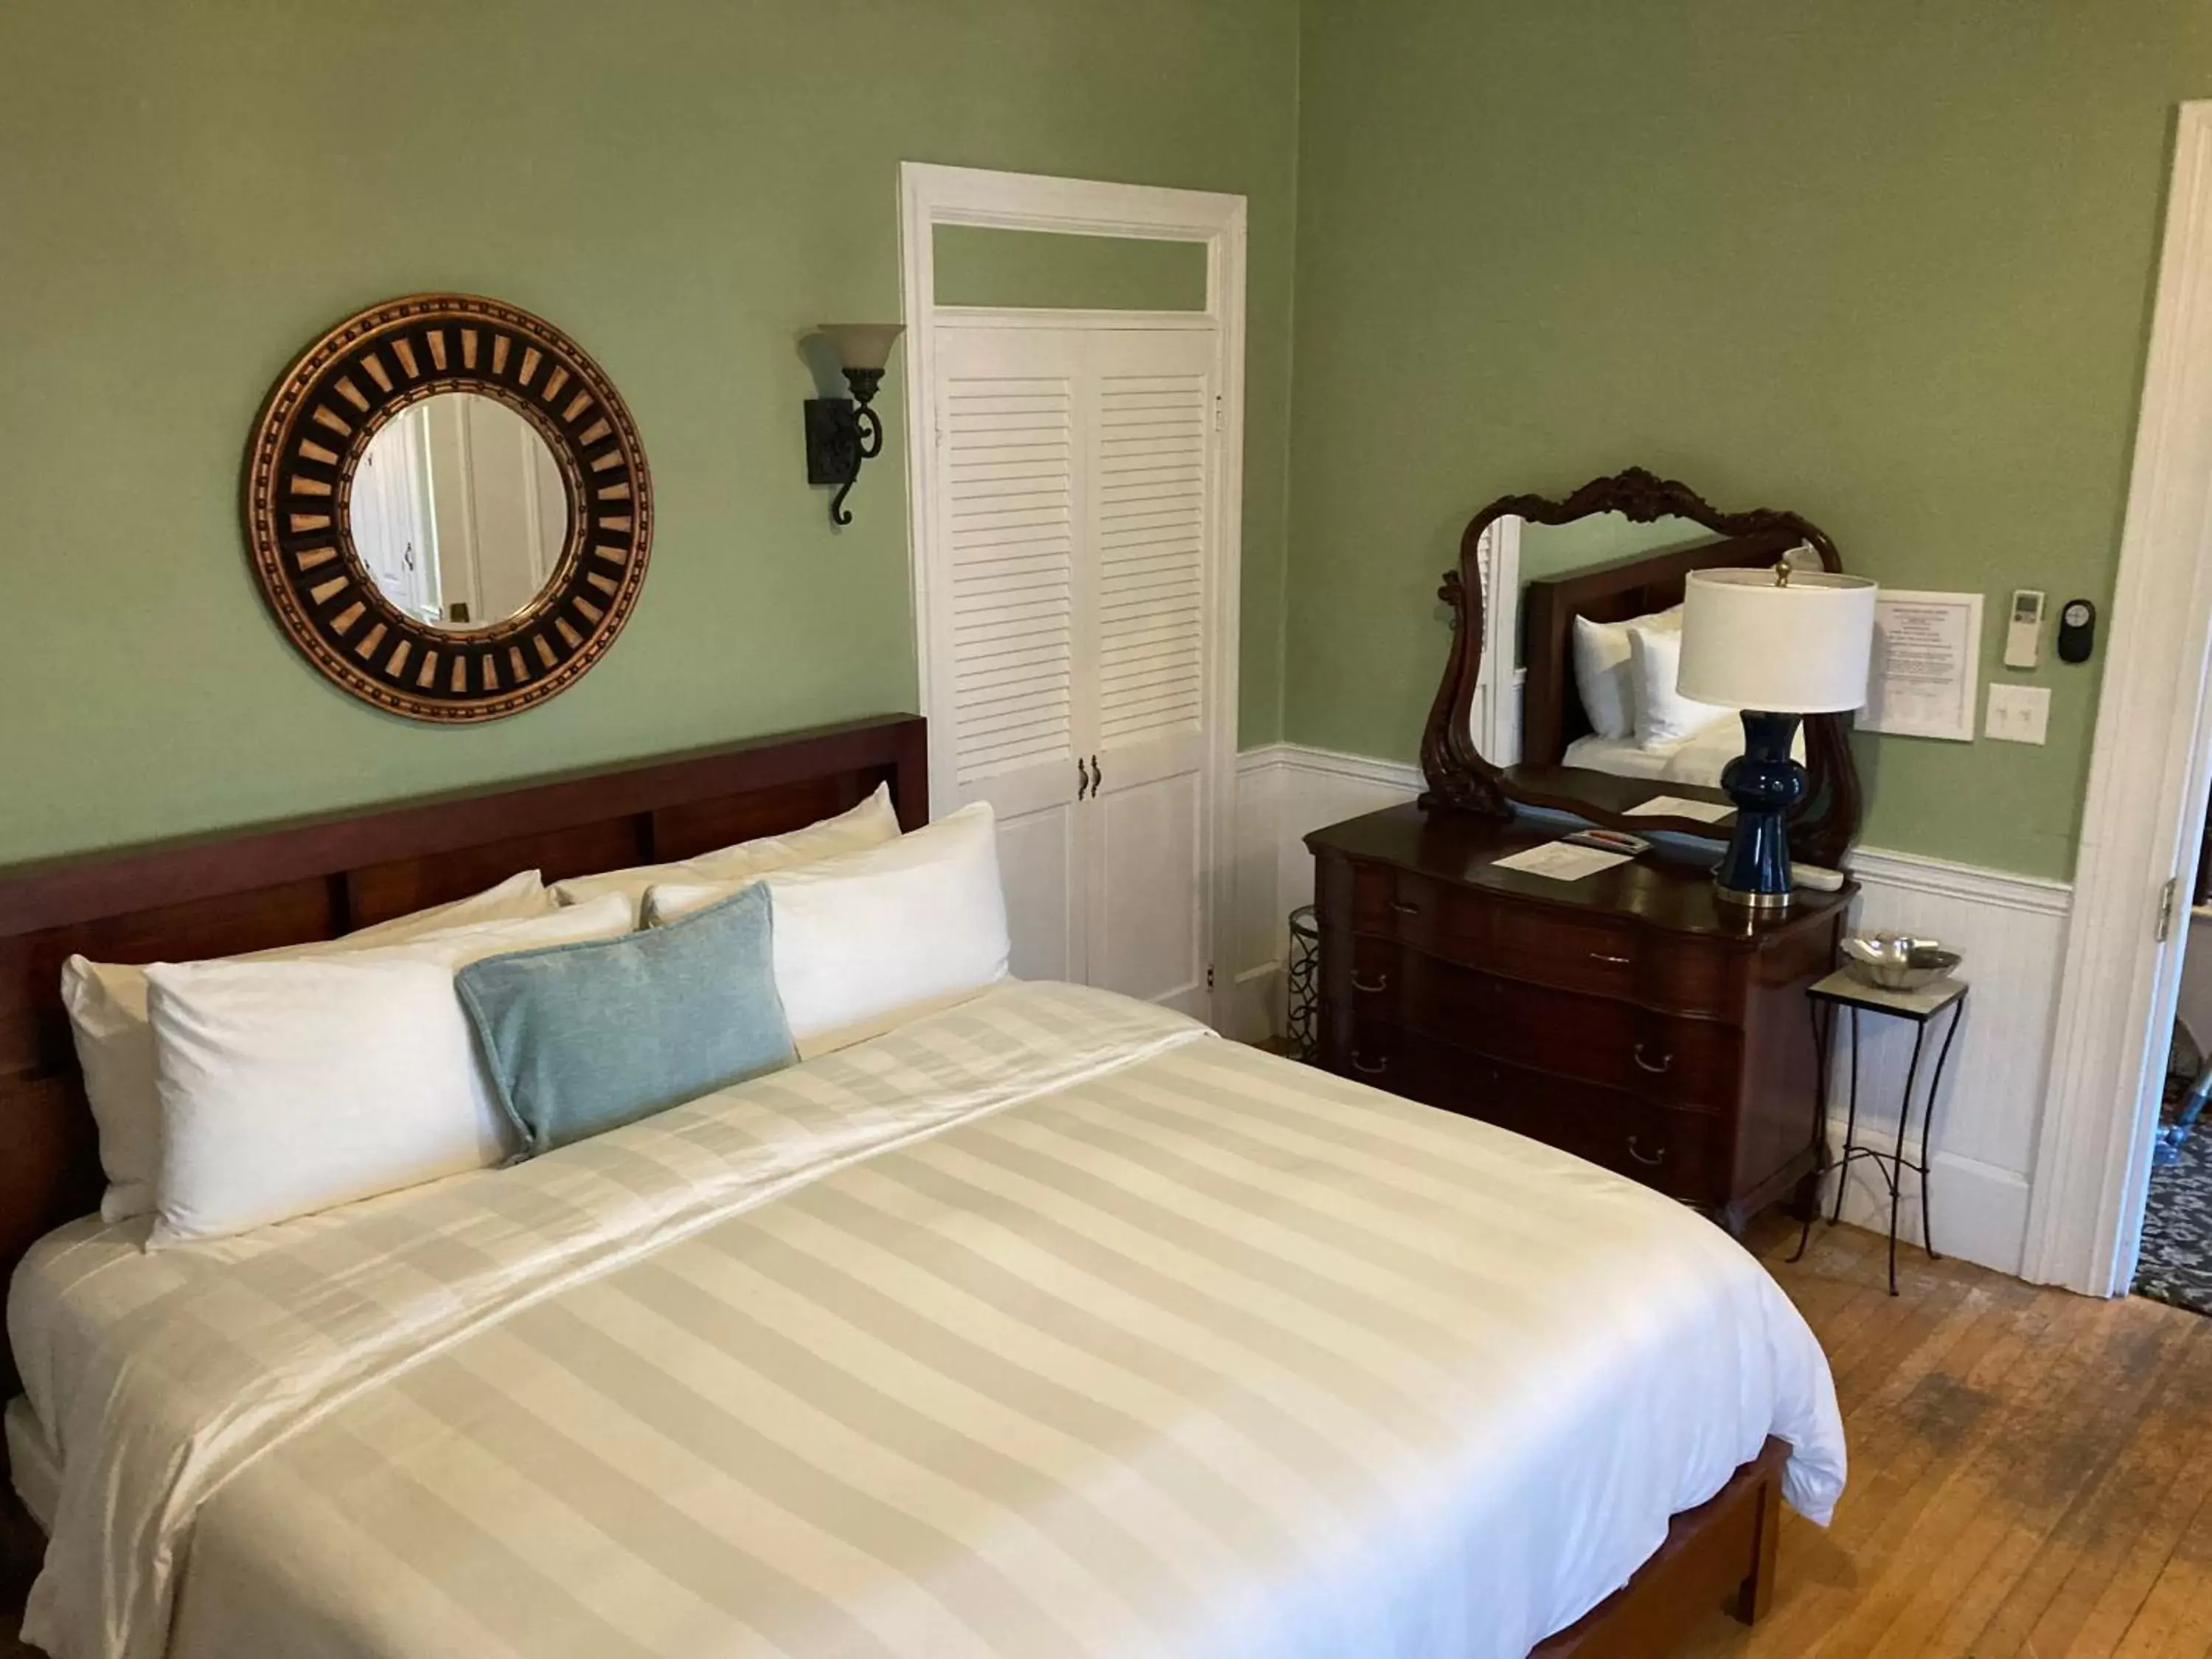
[581, 1038]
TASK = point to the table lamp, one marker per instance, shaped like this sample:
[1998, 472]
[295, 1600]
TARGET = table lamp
[1778, 644]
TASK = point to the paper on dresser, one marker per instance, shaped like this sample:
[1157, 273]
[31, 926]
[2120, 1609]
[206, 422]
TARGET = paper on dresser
[1677, 806]
[1560, 860]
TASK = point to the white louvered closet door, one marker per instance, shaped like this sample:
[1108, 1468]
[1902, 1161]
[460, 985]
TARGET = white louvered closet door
[1070, 628]
[1149, 479]
[1008, 663]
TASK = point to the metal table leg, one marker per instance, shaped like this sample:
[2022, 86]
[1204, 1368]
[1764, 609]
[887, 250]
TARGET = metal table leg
[1850, 1123]
[1894, 1168]
[1927, 1122]
[1824, 1032]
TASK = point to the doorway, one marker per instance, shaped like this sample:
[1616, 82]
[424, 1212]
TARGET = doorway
[1074, 506]
[2143, 814]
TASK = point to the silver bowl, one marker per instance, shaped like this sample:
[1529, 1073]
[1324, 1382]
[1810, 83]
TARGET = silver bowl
[1892, 962]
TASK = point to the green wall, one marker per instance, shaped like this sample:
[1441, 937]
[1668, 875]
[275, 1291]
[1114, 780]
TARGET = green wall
[1884, 262]
[980, 265]
[193, 192]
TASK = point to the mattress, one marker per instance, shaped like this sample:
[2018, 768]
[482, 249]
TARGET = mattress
[1049, 1324]
[1696, 759]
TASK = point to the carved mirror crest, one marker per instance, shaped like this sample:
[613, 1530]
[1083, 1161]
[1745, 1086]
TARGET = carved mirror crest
[448, 508]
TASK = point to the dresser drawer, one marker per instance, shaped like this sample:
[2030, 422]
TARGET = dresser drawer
[1623, 1045]
[1682, 1153]
[1553, 945]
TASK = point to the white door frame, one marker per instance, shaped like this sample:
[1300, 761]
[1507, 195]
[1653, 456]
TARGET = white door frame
[930, 196]
[2143, 818]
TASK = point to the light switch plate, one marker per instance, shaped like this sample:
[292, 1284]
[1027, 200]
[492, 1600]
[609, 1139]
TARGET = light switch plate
[2019, 713]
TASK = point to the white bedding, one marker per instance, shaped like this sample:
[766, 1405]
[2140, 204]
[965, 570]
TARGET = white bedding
[1697, 758]
[1043, 1325]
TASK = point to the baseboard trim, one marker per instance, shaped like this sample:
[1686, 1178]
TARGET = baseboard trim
[1980, 1211]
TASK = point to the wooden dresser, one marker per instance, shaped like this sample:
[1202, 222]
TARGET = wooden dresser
[1630, 1017]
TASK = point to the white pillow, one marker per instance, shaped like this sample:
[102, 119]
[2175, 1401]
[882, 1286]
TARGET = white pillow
[290, 1087]
[869, 824]
[1664, 715]
[1602, 679]
[886, 932]
[107, 1004]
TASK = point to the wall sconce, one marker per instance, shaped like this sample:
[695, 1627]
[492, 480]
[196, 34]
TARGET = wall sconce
[844, 432]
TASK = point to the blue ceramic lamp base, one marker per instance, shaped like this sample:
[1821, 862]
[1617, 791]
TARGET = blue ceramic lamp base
[1765, 782]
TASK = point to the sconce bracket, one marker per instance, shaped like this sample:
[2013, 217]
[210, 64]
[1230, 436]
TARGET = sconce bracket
[833, 440]
[841, 434]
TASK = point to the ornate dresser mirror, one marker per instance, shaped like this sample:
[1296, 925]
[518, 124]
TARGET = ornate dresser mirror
[448, 507]
[1616, 551]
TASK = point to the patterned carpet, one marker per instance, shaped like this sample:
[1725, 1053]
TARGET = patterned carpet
[2176, 1265]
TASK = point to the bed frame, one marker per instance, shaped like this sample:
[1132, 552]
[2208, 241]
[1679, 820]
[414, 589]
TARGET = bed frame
[1552, 714]
[316, 879]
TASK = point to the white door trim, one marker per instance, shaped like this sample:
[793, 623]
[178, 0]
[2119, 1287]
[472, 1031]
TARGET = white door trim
[2142, 819]
[930, 196]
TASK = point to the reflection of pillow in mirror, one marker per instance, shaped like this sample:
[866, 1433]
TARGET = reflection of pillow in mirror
[1601, 676]
[1664, 715]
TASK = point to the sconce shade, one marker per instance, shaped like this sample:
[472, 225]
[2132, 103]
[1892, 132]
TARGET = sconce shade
[1798, 649]
[862, 345]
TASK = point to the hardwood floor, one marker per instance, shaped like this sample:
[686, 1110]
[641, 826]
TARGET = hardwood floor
[2031, 1472]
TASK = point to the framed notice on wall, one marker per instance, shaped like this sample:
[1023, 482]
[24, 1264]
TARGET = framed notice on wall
[1925, 679]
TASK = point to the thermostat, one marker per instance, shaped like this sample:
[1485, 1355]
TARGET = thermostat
[2024, 639]
[2077, 630]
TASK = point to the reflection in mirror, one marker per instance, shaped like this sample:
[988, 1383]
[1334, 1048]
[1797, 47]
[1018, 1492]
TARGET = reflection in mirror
[1623, 715]
[459, 511]
[1557, 550]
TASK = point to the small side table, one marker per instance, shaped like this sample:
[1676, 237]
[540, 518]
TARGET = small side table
[1842, 990]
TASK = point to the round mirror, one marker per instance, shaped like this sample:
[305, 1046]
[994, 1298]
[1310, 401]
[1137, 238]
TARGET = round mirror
[459, 510]
[447, 508]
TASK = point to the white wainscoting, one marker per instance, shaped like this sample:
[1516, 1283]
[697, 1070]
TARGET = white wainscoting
[2012, 928]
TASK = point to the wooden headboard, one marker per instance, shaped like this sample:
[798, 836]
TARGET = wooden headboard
[1552, 714]
[316, 879]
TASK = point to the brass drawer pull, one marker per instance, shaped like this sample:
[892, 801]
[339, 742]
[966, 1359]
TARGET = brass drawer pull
[1611, 962]
[1375, 1069]
[1637, 1153]
[1405, 907]
[1666, 1061]
[1381, 983]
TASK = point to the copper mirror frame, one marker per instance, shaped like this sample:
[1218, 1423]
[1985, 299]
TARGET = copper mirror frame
[1458, 774]
[309, 441]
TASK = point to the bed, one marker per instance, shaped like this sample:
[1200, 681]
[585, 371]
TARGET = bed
[1046, 1322]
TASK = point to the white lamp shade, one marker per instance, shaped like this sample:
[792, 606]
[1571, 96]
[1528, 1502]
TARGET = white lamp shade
[862, 345]
[1802, 649]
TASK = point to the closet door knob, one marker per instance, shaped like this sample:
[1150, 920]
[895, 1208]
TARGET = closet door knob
[1083, 783]
[1097, 775]
[1666, 1061]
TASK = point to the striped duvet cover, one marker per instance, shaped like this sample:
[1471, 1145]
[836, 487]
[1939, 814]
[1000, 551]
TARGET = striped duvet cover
[1045, 1325]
